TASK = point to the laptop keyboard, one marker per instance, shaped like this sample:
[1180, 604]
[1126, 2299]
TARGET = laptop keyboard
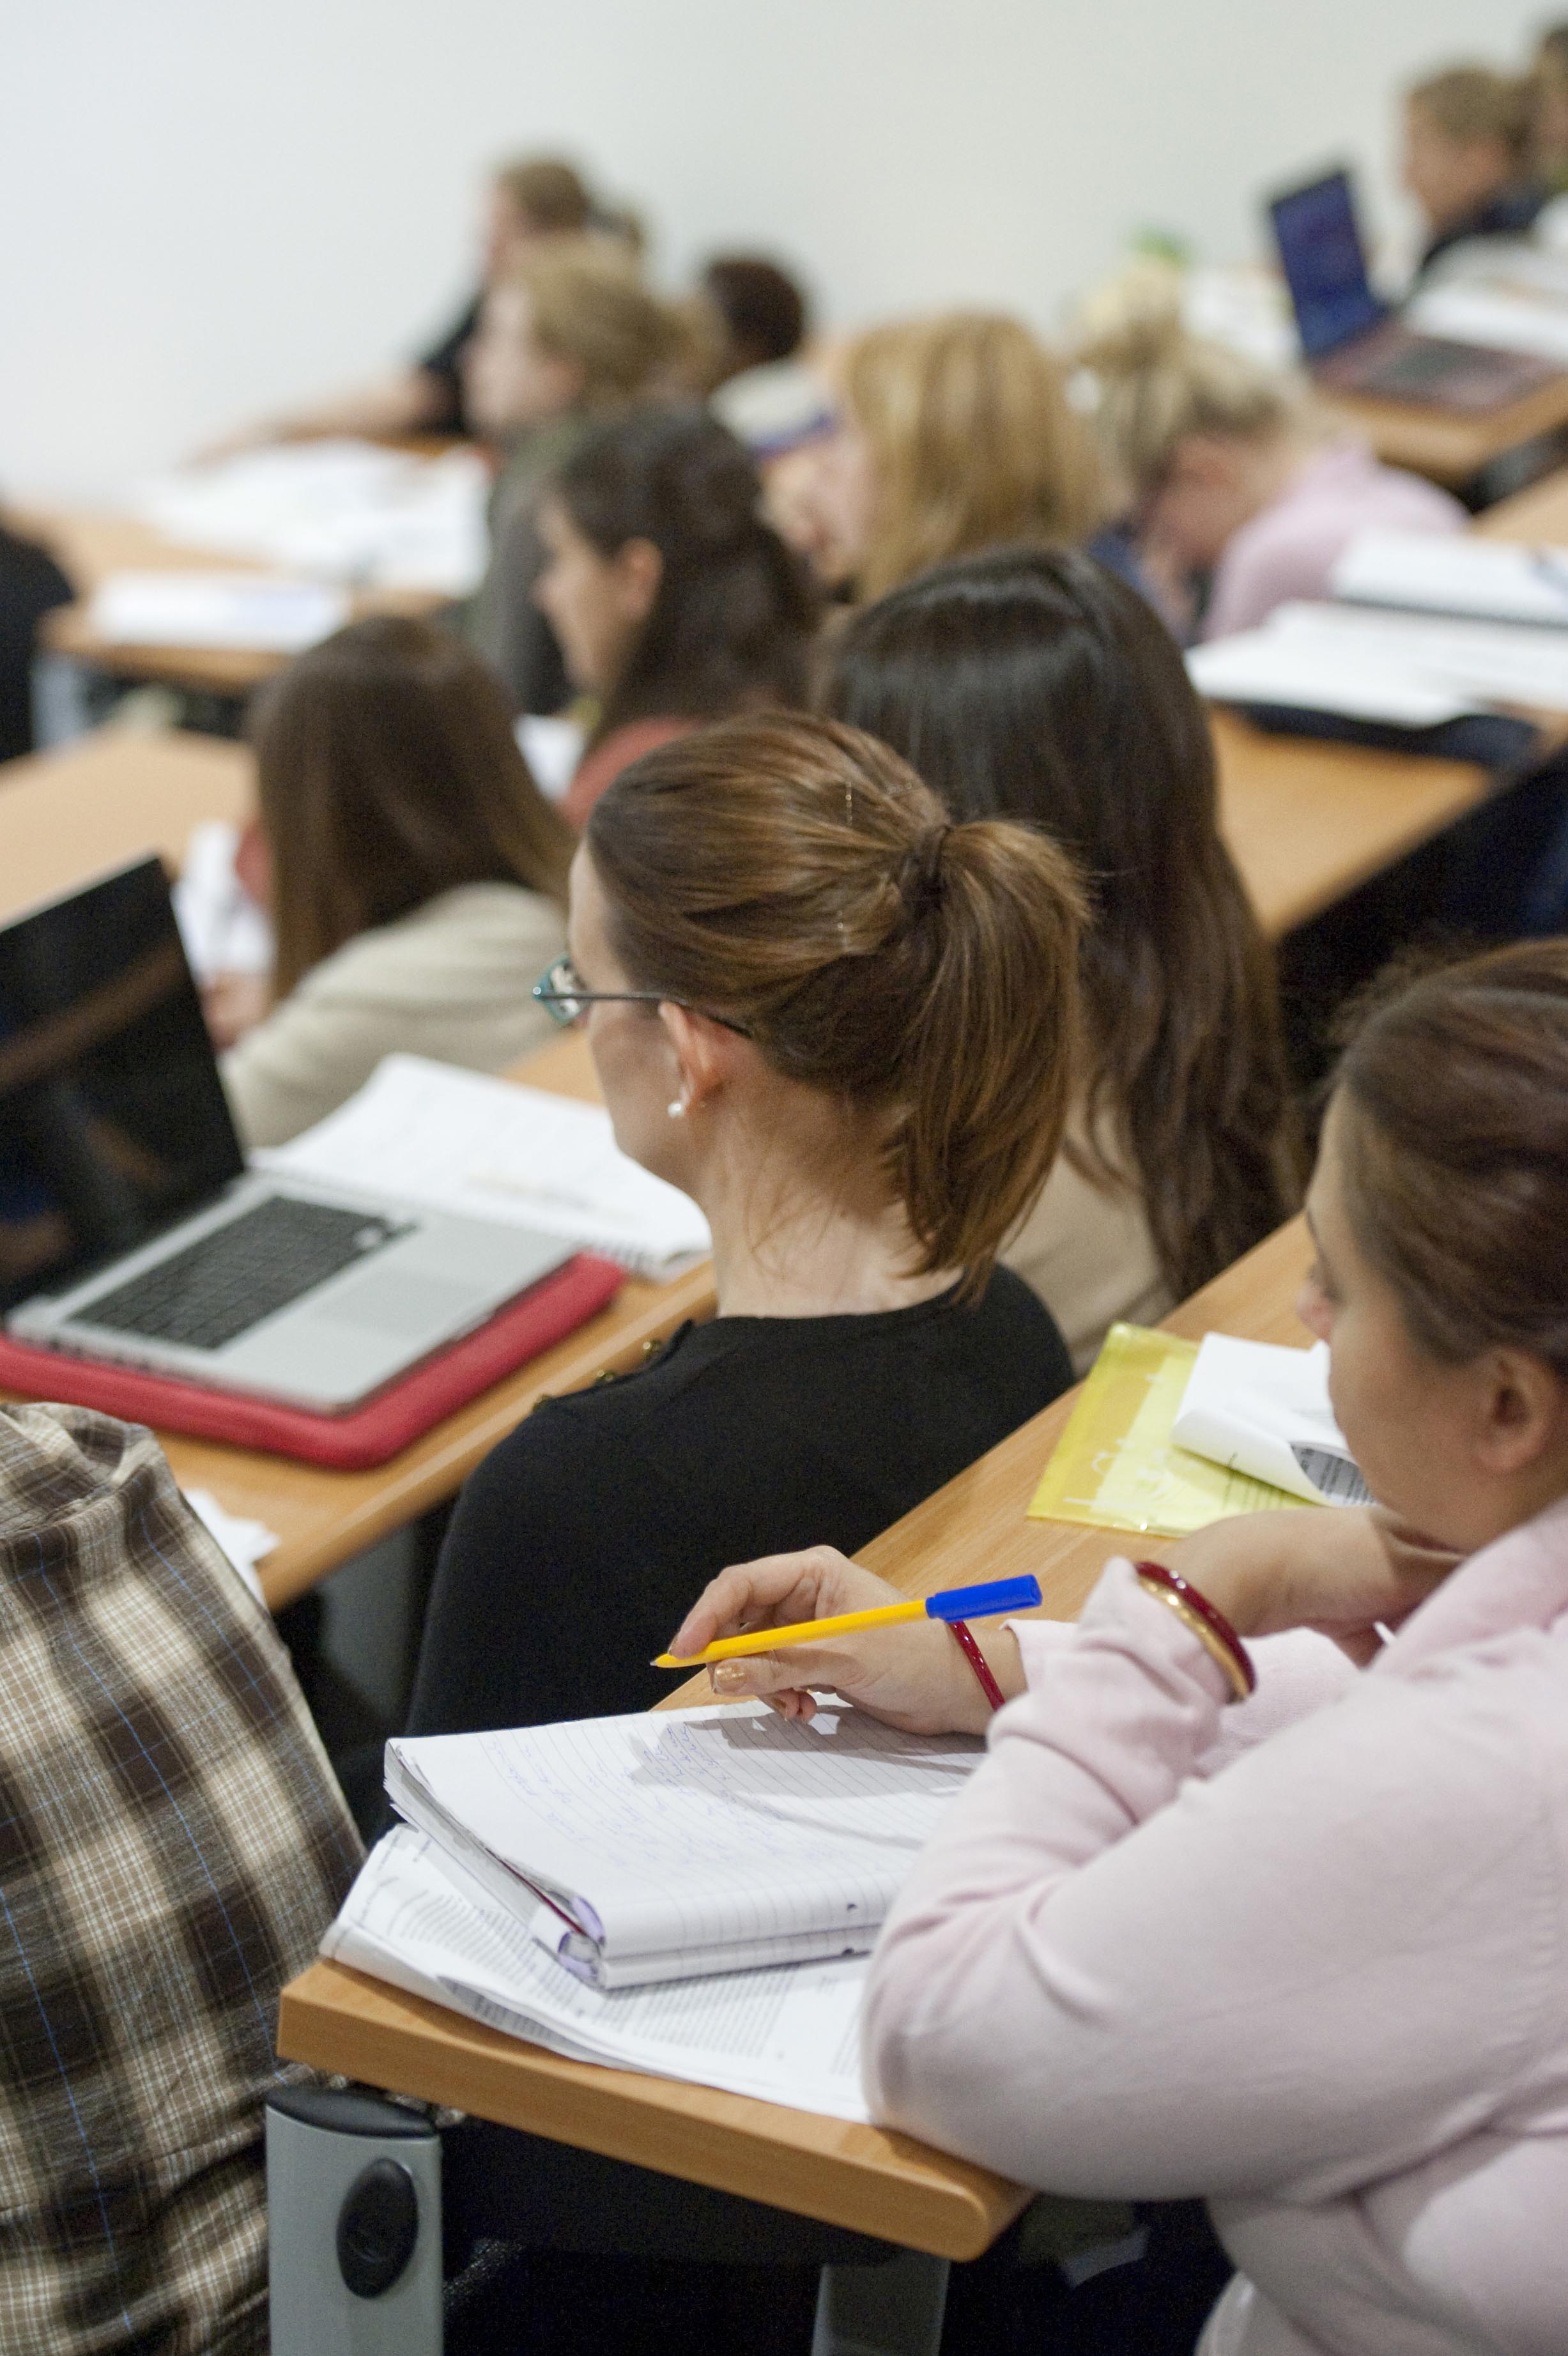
[224, 1282]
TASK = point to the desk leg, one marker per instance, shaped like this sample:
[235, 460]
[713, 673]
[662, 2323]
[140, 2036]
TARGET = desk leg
[354, 2226]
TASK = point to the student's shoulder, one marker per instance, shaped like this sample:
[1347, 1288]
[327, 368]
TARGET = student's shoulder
[458, 933]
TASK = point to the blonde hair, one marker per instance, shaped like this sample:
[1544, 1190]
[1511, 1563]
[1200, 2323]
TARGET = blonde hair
[1474, 103]
[973, 441]
[1157, 384]
[590, 308]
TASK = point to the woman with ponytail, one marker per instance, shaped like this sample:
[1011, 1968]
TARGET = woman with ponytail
[673, 601]
[845, 1026]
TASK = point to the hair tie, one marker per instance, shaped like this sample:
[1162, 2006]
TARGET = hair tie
[921, 884]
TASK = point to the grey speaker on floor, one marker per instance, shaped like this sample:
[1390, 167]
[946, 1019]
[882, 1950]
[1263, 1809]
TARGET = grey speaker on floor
[354, 2226]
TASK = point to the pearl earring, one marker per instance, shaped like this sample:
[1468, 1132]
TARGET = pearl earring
[676, 1110]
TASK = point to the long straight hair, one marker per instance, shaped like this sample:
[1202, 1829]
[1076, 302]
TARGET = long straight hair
[387, 774]
[1033, 684]
[734, 616]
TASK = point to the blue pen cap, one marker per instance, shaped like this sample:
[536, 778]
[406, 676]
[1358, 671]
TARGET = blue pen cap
[983, 1603]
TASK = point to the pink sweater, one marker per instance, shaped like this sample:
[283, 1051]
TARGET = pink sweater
[1290, 550]
[1321, 1980]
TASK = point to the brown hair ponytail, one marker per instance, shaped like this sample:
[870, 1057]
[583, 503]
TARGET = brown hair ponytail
[795, 877]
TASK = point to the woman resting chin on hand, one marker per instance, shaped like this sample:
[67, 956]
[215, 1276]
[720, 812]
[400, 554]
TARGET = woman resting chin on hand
[1319, 1979]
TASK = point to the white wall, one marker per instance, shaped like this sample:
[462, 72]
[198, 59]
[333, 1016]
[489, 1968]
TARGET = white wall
[214, 206]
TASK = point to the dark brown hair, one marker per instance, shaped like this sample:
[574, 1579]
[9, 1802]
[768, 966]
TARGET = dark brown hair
[762, 308]
[734, 615]
[1454, 1137]
[797, 878]
[387, 773]
[1033, 684]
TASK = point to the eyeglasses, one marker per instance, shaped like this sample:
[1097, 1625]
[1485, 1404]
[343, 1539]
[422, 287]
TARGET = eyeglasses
[559, 992]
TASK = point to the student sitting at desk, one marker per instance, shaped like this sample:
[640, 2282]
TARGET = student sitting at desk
[415, 874]
[1243, 497]
[530, 205]
[1034, 685]
[173, 1847]
[1467, 158]
[954, 434]
[1311, 1962]
[563, 339]
[673, 601]
[845, 1026]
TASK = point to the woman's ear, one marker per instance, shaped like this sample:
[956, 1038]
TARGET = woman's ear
[1522, 1411]
[637, 568]
[702, 1050]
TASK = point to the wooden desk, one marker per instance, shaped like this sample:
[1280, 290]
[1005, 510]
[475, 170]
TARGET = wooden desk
[1540, 514]
[67, 815]
[1307, 820]
[1445, 446]
[89, 546]
[857, 2177]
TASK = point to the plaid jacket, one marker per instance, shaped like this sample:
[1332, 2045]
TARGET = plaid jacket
[172, 1845]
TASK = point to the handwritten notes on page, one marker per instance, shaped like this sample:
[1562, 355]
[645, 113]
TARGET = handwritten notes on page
[484, 1149]
[669, 1845]
[415, 1918]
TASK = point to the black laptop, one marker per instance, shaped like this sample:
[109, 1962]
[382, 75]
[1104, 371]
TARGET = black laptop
[1352, 342]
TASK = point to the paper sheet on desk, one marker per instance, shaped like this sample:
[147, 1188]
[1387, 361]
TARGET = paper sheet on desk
[487, 1149]
[675, 1845]
[1414, 670]
[223, 611]
[1260, 1410]
[343, 510]
[1485, 580]
[790, 2036]
[1118, 1466]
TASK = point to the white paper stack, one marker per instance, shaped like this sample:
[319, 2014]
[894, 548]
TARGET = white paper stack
[341, 510]
[1512, 307]
[1256, 1407]
[222, 610]
[792, 2036]
[1414, 670]
[455, 1140]
[676, 1844]
[1438, 572]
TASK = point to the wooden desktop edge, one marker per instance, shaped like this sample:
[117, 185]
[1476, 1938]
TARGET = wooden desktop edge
[862, 2178]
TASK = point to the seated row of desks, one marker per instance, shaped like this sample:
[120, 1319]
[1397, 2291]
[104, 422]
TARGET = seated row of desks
[1450, 447]
[1306, 821]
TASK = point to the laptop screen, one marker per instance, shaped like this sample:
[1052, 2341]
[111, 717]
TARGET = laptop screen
[112, 1118]
[1325, 268]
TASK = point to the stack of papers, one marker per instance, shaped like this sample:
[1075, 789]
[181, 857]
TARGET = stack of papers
[453, 1140]
[226, 610]
[1486, 580]
[413, 1918]
[673, 1845]
[1264, 1411]
[1511, 297]
[1412, 670]
[690, 1893]
[342, 511]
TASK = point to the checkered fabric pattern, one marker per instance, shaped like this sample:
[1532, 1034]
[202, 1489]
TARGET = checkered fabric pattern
[172, 1845]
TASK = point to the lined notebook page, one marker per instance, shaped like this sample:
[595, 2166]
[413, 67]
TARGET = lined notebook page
[415, 1918]
[678, 1833]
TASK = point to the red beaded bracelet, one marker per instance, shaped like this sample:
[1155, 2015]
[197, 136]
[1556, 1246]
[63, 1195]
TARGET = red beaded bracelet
[1194, 1607]
[959, 1631]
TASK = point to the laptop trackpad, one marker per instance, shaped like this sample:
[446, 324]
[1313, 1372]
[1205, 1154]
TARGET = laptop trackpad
[400, 1305]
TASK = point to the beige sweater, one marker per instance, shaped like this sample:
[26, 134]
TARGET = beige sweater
[452, 981]
[1091, 1258]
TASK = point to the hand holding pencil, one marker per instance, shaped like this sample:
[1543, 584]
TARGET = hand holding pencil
[910, 1673]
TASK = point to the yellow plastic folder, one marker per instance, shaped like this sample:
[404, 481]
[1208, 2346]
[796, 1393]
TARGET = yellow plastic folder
[1116, 1466]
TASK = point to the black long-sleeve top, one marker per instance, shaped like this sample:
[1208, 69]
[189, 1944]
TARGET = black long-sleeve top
[579, 1542]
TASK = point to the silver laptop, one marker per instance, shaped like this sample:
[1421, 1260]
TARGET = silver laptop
[129, 1228]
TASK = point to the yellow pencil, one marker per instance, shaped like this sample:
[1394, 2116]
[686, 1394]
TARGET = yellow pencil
[954, 1603]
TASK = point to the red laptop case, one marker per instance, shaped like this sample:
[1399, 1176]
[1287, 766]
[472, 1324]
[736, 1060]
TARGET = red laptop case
[351, 1443]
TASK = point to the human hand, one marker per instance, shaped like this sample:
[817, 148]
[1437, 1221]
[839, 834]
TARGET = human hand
[910, 1674]
[234, 1003]
[1341, 1571]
